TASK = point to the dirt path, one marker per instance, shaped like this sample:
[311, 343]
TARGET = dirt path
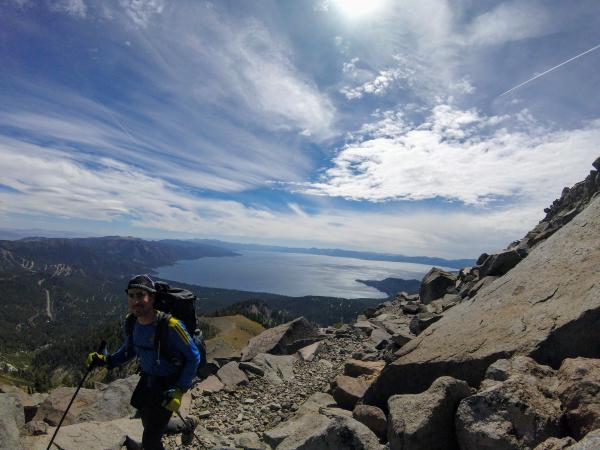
[48, 302]
[48, 305]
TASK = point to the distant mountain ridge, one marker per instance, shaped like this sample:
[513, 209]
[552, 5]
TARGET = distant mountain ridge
[370, 256]
[110, 254]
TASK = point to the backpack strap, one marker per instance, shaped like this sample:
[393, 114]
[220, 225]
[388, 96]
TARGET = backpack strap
[161, 337]
[130, 320]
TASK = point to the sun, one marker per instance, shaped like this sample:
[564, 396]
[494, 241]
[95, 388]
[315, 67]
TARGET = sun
[357, 8]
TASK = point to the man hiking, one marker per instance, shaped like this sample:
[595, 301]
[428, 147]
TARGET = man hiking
[168, 364]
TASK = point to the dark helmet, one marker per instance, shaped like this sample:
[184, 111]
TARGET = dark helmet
[141, 282]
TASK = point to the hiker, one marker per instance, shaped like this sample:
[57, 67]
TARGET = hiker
[166, 373]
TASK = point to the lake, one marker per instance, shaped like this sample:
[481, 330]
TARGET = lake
[292, 274]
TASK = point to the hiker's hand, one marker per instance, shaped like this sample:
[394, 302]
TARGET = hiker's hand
[95, 359]
[172, 399]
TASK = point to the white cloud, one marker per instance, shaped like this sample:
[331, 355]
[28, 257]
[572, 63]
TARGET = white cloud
[51, 183]
[76, 8]
[458, 155]
[510, 21]
[379, 85]
[141, 12]
[236, 66]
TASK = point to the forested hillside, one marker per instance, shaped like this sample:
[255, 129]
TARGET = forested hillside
[60, 297]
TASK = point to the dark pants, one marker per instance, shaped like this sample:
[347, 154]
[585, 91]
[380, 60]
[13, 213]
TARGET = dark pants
[147, 398]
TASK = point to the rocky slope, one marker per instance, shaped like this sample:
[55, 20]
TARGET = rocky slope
[503, 355]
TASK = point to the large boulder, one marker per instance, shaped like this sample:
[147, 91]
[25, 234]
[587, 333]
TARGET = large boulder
[282, 340]
[380, 338]
[12, 417]
[556, 443]
[309, 352]
[112, 401]
[52, 409]
[436, 284]
[210, 385]
[499, 263]
[422, 321]
[426, 421]
[275, 368]
[333, 434]
[91, 435]
[549, 317]
[356, 368]
[231, 375]
[348, 390]
[306, 418]
[517, 408]
[591, 441]
[30, 402]
[373, 417]
[579, 392]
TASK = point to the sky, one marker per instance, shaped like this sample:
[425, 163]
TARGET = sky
[373, 125]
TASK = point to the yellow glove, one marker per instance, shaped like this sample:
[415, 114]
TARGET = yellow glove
[172, 399]
[95, 359]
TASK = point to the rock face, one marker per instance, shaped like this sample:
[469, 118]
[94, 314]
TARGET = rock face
[282, 340]
[571, 202]
[436, 284]
[11, 418]
[548, 318]
[426, 421]
[517, 408]
[579, 392]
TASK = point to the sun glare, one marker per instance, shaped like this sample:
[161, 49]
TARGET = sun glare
[358, 8]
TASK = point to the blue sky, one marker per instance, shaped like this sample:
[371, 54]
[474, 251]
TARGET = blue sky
[373, 125]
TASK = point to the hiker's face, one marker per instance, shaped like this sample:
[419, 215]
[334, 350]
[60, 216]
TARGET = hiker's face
[141, 302]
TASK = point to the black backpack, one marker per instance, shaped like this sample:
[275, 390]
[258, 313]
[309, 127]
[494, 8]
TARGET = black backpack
[180, 304]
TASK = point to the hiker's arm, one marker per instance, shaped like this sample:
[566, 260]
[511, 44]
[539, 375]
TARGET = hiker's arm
[121, 356]
[186, 346]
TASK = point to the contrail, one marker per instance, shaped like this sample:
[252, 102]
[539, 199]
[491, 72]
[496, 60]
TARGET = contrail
[550, 70]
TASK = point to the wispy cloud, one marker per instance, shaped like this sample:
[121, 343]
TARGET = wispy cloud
[76, 8]
[141, 11]
[510, 21]
[47, 183]
[428, 45]
[217, 103]
[458, 155]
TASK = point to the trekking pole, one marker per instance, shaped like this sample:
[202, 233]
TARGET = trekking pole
[202, 444]
[90, 368]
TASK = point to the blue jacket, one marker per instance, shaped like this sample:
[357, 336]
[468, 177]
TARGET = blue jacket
[155, 361]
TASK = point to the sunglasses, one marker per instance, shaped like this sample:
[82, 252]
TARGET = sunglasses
[138, 295]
